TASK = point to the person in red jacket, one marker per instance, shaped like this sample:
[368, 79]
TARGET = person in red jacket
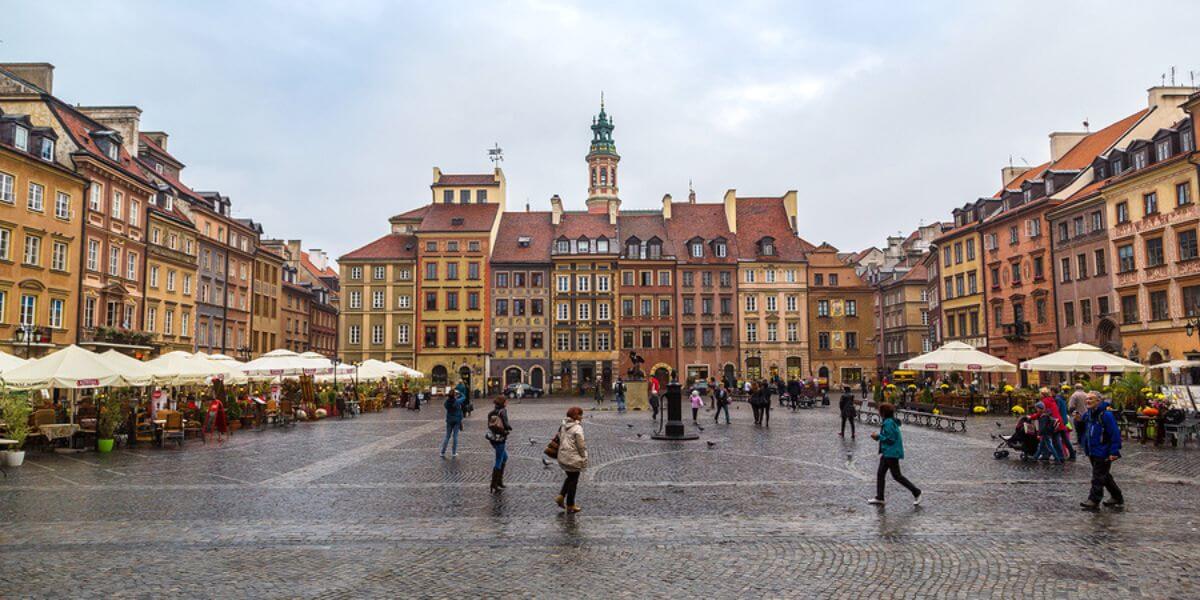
[1050, 423]
[214, 420]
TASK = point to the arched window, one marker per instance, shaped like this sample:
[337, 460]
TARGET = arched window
[593, 175]
[603, 175]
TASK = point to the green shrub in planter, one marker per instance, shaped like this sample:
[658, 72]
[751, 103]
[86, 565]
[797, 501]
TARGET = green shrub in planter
[15, 409]
[109, 417]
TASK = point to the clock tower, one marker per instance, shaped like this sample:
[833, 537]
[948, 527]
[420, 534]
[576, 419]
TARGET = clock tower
[602, 161]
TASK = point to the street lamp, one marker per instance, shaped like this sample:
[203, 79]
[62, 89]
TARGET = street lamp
[25, 333]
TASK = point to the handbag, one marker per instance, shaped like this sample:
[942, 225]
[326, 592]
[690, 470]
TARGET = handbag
[552, 448]
[496, 424]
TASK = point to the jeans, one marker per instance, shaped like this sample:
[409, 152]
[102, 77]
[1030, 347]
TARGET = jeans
[893, 465]
[620, 402]
[1081, 435]
[767, 414]
[757, 413]
[695, 413]
[654, 406]
[850, 420]
[1102, 479]
[717, 416]
[568, 487]
[1048, 446]
[501, 449]
[451, 431]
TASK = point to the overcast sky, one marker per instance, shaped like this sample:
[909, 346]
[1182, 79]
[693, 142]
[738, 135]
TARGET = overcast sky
[321, 121]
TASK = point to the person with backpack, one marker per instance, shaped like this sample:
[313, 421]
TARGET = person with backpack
[572, 457]
[891, 451]
[1103, 447]
[497, 436]
[722, 400]
[846, 407]
[755, 399]
[1064, 430]
[454, 418]
[619, 394]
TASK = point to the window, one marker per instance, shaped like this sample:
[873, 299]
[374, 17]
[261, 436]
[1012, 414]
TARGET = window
[563, 283]
[720, 250]
[379, 273]
[851, 340]
[356, 334]
[1065, 273]
[537, 307]
[583, 311]
[664, 338]
[751, 303]
[851, 308]
[697, 250]
[970, 248]
[770, 273]
[431, 336]
[47, 149]
[377, 334]
[472, 300]
[771, 303]
[563, 311]
[1012, 235]
[135, 211]
[958, 253]
[1162, 150]
[822, 308]
[1097, 221]
[37, 197]
[118, 201]
[377, 300]
[6, 187]
[1187, 244]
[356, 299]
[451, 300]
[689, 305]
[790, 303]
[187, 284]
[431, 271]
[1085, 311]
[603, 283]
[725, 278]
[1129, 309]
[1101, 262]
[1158, 305]
[28, 313]
[664, 278]
[451, 270]
[93, 251]
[452, 336]
[991, 241]
[153, 276]
[772, 332]
[1069, 313]
[562, 342]
[1139, 160]
[21, 138]
[33, 250]
[473, 270]
[1183, 194]
[562, 246]
[152, 319]
[583, 283]
[603, 311]
[171, 280]
[793, 332]
[501, 340]
[583, 342]
[1122, 212]
[1150, 204]
[405, 274]
[1191, 301]
[1154, 252]
[750, 276]
[56, 313]
[823, 340]
[58, 257]
[169, 322]
[501, 307]
[972, 283]
[751, 332]
[502, 279]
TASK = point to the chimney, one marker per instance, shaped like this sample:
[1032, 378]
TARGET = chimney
[1009, 173]
[1061, 142]
[158, 138]
[667, 207]
[122, 119]
[37, 74]
[1169, 97]
[556, 210]
[318, 258]
[790, 207]
[731, 209]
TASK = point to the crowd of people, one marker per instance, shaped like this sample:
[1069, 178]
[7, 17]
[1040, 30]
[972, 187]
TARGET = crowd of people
[1053, 419]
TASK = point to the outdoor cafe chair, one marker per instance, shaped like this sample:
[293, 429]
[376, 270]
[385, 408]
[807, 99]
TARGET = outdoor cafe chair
[173, 428]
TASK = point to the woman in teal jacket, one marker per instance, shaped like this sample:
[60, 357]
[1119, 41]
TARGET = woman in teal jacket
[891, 450]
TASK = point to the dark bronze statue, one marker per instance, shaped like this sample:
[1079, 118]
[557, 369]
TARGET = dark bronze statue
[635, 372]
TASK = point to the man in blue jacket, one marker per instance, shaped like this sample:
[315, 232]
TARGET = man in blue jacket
[1103, 448]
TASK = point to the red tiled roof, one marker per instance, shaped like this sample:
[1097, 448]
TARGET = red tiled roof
[475, 217]
[861, 254]
[145, 139]
[766, 217]
[148, 172]
[447, 179]
[645, 227]
[534, 225]
[308, 265]
[1082, 155]
[575, 225]
[395, 246]
[700, 220]
[80, 127]
[416, 213]
[1015, 184]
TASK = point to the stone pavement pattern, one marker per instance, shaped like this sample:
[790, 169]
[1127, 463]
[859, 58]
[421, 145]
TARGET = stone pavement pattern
[365, 508]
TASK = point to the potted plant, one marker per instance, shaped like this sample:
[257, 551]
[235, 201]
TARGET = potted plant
[233, 414]
[108, 419]
[15, 410]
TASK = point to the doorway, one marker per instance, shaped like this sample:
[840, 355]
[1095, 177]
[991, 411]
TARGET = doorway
[537, 378]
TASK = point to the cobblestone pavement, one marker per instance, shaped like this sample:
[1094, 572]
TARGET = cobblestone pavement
[365, 508]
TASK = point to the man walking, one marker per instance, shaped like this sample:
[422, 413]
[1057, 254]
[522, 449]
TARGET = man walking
[619, 394]
[722, 399]
[1103, 448]
[846, 408]
[1077, 409]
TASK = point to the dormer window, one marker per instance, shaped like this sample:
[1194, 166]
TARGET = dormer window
[457, 222]
[1101, 171]
[21, 138]
[1049, 186]
[766, 246]
[1117, 166]
[1185, 140]
[158, 168]
[1162, 150]
[1139, 159]
[169, 202]
[654, 249]
[697, 249]
[47, 149]
[633, 248]
[602, 246]
[1027, 194]
[114, 151]
[720, 249]
[582, 246]
[524, 241]
[563, 246]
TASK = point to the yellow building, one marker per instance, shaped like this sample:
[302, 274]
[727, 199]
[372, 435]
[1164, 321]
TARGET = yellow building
[379, 299]
[170, 277]
[960, 265]
[904, 299]
[454, 240]
[265, 317]
[39, 240]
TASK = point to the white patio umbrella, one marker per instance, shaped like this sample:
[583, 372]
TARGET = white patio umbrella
[231, 365]
[319, 364]
[957, 356]
[8, 361]
[71, 368]
[407, 372]
[134, 371]
[182, 368]
[373, 369]
[1081, 358]
[276, 363]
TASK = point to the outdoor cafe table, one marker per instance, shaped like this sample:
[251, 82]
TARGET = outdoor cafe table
[55, 431]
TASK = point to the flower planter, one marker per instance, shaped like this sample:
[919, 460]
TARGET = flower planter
[235, 425]
[104, 446]
[13, 458]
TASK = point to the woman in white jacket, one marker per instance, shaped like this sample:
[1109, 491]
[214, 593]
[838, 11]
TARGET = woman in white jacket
[572, 457]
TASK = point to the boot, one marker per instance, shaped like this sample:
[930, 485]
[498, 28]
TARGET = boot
[495, 487]
[500, 477]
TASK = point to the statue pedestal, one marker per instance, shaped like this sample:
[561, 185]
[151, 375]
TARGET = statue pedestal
[637, 395]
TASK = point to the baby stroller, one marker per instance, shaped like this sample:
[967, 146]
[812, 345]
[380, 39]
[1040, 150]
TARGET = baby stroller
[1024, 439]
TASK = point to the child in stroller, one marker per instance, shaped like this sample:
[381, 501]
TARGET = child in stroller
[1024, 439]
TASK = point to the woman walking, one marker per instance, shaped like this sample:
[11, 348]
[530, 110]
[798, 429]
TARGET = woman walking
[497, 435]
[891, 450]
[766, 404]
[697, 402]
[846, 406]
[755, 398]
[572, 457]
[454, 418]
